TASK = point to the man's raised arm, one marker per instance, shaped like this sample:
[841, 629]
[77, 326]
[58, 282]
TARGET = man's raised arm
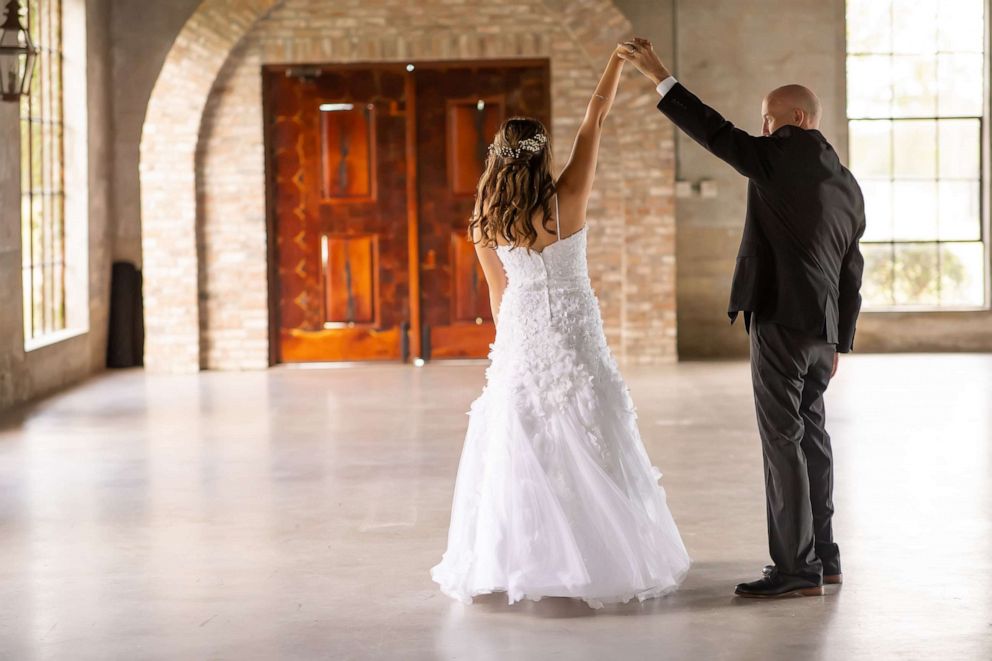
[749, 155]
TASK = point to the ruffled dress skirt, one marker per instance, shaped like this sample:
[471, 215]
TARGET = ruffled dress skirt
[555, 494]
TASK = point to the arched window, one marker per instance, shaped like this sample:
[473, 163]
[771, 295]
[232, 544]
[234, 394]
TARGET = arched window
[916, 108]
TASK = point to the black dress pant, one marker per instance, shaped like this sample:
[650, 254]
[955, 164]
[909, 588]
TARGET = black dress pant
[790, 371]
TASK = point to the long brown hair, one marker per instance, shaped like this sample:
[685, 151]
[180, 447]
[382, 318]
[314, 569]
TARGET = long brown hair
[515, 183]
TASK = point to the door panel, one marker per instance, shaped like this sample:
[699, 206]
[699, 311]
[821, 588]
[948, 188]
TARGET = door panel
[347, 152]
[459, 109]
[471, 124]
[338, 153]
[349, 265]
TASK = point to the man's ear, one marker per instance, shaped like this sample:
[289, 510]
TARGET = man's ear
[799, 117]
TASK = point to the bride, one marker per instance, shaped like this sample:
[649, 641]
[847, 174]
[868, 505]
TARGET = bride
[555, 494]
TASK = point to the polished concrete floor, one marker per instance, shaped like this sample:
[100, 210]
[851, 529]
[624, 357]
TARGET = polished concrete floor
[294, 514]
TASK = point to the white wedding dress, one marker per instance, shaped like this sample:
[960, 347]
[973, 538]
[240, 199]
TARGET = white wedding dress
[555, 494]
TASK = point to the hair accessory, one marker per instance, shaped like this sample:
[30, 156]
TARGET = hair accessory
[532, 145]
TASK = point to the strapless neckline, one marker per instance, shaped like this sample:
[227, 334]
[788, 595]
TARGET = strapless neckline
[550, 245]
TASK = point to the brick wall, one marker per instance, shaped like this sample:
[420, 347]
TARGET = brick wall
[202, 165]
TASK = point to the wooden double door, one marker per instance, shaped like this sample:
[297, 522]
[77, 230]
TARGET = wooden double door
[372, 172]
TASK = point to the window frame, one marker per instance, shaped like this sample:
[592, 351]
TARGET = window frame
[76, 201]
[45, 123]
[983, 178]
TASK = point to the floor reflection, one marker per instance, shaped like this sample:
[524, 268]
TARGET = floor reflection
[293, 513]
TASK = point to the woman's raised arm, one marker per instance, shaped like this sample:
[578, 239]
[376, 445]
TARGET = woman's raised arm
[580, 171]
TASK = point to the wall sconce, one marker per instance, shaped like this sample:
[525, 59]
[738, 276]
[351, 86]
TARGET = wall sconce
[17, 55]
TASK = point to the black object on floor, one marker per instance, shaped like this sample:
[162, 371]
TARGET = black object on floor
[126, 336]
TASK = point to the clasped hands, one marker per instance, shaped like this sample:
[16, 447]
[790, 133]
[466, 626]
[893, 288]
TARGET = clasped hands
[639, 52]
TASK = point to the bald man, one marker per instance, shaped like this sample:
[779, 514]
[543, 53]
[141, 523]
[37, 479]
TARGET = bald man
[797, 281]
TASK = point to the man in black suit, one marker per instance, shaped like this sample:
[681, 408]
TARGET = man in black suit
[797, 282]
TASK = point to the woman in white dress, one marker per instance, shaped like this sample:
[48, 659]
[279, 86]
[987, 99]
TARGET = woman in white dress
[555, 494]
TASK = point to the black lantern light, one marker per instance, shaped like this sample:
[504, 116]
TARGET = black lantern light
[17, 55]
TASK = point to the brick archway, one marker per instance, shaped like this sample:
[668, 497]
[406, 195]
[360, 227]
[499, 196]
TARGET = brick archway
[218, 52]
[168, 180]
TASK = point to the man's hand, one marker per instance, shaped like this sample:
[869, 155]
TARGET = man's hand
[836, 361]
[640, 53]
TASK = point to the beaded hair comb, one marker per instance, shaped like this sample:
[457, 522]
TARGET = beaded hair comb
[531, 145]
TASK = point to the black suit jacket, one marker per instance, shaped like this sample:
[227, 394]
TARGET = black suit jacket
[799, 264]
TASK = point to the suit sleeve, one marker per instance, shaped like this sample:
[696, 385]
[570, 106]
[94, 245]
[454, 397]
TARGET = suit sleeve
[849, 302]
[751, 156]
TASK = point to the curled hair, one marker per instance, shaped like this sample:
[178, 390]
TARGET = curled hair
[516, 181]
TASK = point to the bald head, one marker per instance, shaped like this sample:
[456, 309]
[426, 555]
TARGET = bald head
[790, 105]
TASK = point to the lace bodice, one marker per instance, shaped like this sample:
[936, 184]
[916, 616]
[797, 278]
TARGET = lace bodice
[550, 330]
[562, 263]
[547, 291]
